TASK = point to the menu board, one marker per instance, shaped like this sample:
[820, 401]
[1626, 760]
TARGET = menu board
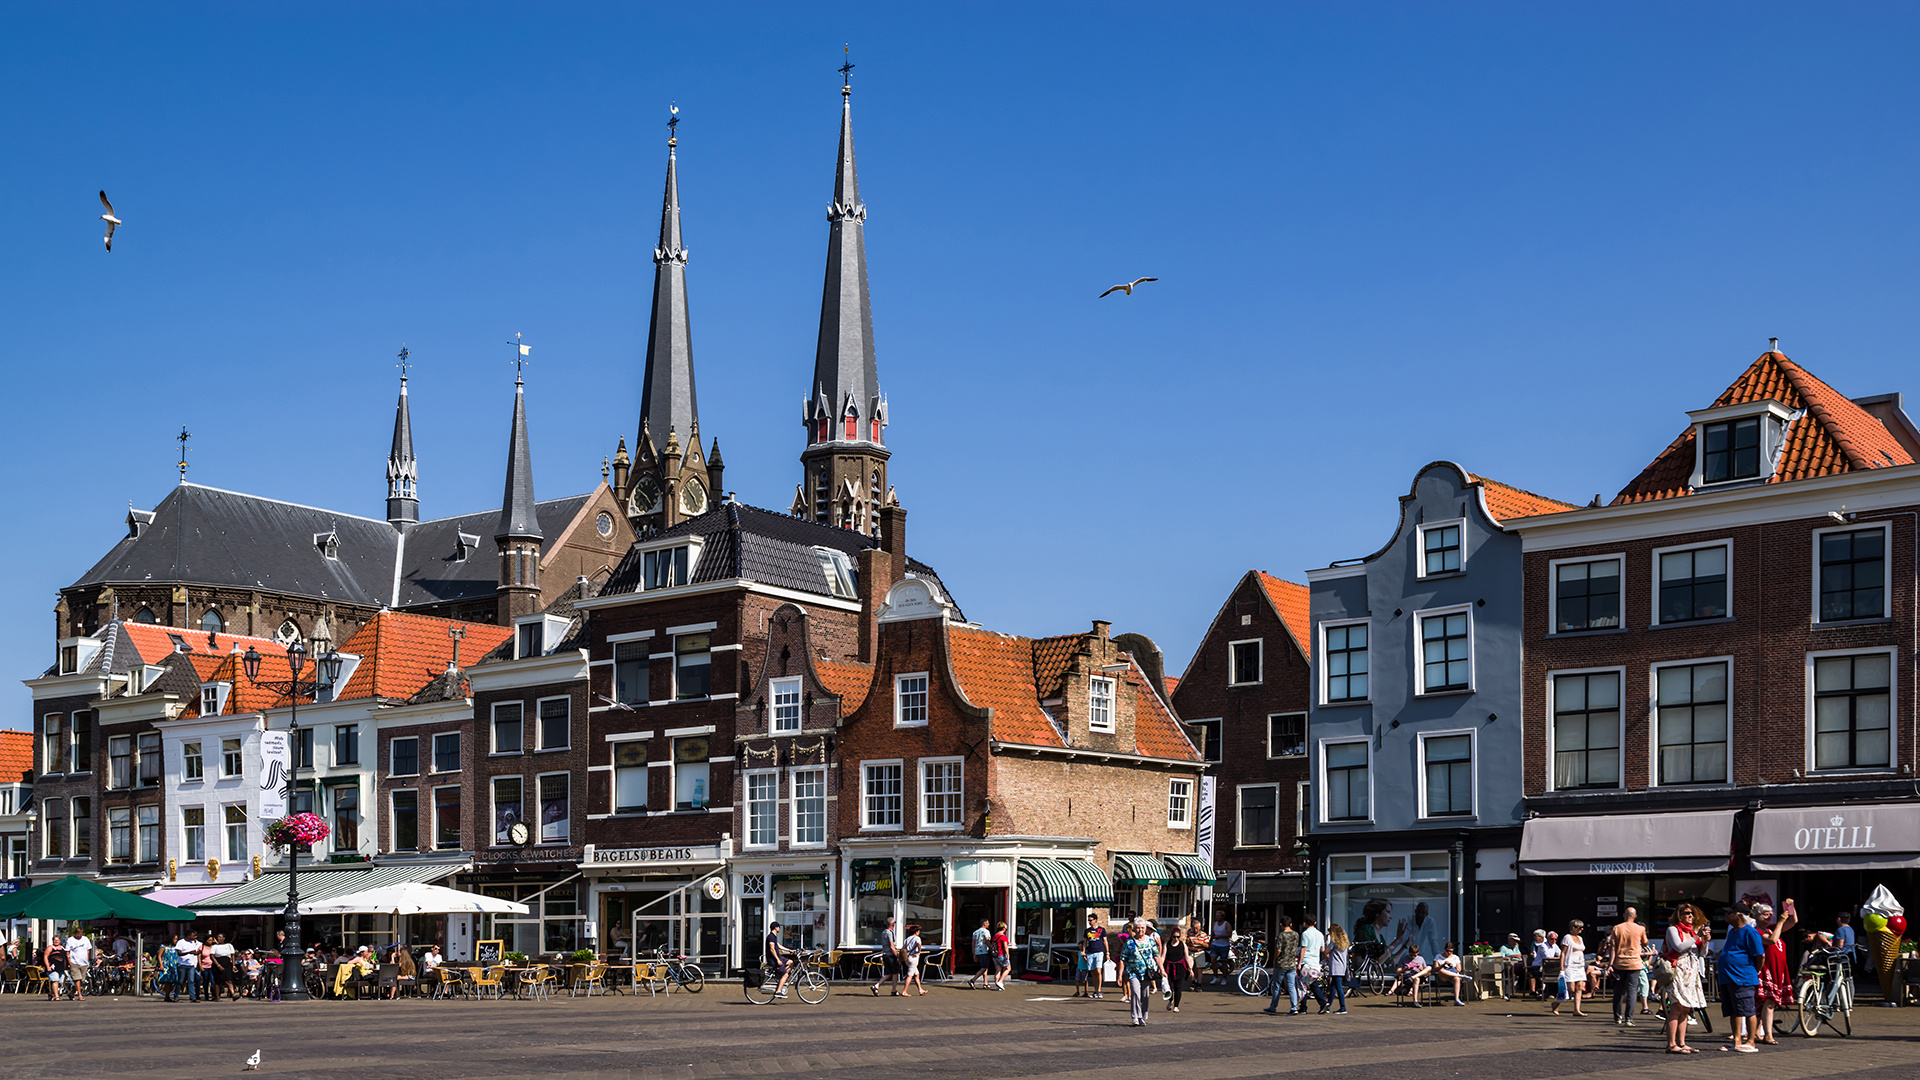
[487, 953]
[1040, 954]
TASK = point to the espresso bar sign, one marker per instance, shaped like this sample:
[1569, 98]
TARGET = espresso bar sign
[1620, 868]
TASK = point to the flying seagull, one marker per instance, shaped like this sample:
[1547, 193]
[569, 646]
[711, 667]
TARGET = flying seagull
[112, 222]
[1128, 287]
[253, 1063]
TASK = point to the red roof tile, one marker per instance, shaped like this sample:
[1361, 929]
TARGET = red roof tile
[1171, 682]
[16, 755]
[400, 653]
[216, 660]
[1832, 436]
[1155, 732]
[849, 682]
[996, 672]
[1051, 655]
[1290, 600]
[1505, 501]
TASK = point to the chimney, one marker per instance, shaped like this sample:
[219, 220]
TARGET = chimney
[1102, 629]
[893, 530]
[1773, 344]
[879, 571]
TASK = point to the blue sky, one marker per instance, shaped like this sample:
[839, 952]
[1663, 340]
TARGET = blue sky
[1525, 237]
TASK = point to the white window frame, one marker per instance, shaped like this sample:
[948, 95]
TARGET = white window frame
[187, 831]
[1420, 650]
[493, 808]
[538, 824]
[693, 544]
[1304, 723]
[793, 806]
[396, 741]
[198, 774]
[1111, 725]
[1320, 669]
[226, 834]
[540, 723]
[920, 769]
[673, 657]
[393, 819]
[1886, 572]
[493, 719]
[126, 780]
[1653, 582]
[1473, 773]
[1260, 657]
[432, 842]
[1320, 769]
[1653, 721]
[839, 571]
[775, 688]
[1553, 594]
[748, 803]
[1892, 653]
[1420, 549]
[865, 809]
[433, 743]
[1175, 784]
[141, 852]
[1302, 808]
[900, 703]
[1240, 817]
[239, 758]
[614, 769]
[1551, 692]
[1773, 438]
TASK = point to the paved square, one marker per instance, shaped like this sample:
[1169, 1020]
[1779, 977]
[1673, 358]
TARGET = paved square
[952, 1032]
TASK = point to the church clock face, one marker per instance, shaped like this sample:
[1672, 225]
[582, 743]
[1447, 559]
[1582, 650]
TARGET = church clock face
[693, 498]
[646, 496]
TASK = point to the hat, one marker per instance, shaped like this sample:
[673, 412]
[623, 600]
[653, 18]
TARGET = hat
[361, 949]
[1513, 937]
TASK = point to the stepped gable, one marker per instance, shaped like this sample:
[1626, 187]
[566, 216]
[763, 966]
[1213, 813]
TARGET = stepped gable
[1832, 434]
[401, 653]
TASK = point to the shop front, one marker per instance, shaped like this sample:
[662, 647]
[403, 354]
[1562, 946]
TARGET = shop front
[1829, 858]
[249, 913]
[672, 898]
[1392, 899]
[1593, 868]
[795, 894]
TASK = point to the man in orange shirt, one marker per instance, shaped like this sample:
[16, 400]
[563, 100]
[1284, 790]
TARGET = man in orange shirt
[1626, 941]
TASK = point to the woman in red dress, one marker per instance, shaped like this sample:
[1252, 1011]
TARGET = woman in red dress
[1776, 986]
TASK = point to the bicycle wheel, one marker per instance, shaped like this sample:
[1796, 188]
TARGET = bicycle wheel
[1379, 979]
[692, 979]
[813, 987]
[1809, 1001]
[761, 984]
[1839, 1010]
[1253, 981]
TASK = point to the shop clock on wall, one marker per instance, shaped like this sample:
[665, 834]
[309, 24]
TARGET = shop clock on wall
[518, 833]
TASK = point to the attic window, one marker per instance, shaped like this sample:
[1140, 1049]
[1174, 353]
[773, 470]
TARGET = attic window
[327, 543]
[665, 568]
[842, 578]
[466, 544]
[1736, 443]
[179, 643]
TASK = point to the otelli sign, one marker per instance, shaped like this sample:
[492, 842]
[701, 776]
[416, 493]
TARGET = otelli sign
[1838, 835]
[1865, 836]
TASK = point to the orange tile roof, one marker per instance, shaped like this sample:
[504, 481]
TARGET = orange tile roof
[1506, 501]
[1833, 436]
[1290, 600]
[155, 642]
[16, 755]
[996, 672]
[1051, 655]
[849, 682]
[400, 653]
[216, 660]
[1171, 682]
[1155, 732]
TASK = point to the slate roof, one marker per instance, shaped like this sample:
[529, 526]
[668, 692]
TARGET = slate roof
[16, 756]
[1832, 434]
[213, 537]
[401, 653]
[1290, 600]
[765, 546]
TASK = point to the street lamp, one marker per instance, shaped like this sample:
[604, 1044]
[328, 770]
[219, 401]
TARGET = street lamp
[292, 982]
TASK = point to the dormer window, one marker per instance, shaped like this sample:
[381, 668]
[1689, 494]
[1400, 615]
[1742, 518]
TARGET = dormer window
[1736, 443]
[327, 543]
[69, 659]
[465, 545]
[840, 572]
[537, 635]
[667, 564]
[76, 653]
[213, 698]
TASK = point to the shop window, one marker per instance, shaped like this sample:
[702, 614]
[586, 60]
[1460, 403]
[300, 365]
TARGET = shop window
[1852, 711]
[873, 892]
[446, 818]
[810, 806]
[506, 727]
[508, 807]
[193, 824]
[406, 821]
[554, 814]
[630, 776]
[630, 673]
[690, 773]
[923, 901]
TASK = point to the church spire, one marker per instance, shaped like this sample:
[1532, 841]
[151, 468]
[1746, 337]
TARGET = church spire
[403, 498]
[844, 411]
[518, 534]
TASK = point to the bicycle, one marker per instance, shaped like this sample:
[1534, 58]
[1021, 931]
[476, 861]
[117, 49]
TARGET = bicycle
[1368, 971]
[762, 985]
[680, 970]
[1825, 993]
[1250, 975]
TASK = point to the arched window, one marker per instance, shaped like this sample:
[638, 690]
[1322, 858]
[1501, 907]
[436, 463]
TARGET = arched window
[145, 615]
[211, 622]
[288, 633]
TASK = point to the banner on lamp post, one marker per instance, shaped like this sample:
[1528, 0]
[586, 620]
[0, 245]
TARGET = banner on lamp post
[274, 763]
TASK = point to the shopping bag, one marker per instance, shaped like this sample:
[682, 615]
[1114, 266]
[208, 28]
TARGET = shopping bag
[1107, 971]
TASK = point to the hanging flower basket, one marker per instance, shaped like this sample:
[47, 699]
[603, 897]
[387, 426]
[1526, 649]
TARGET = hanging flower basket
[304, 830]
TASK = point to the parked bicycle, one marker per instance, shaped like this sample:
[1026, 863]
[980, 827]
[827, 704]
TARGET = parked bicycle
[679, 970]
[1368, 971]
[1249, 965]
[763, 983]
[1825, 993]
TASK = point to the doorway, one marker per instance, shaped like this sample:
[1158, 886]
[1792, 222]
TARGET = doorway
[1496, 915]
[969, 907]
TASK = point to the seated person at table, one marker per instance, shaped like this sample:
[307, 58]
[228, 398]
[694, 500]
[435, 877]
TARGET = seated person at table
[249, 971]
[1409, 973]
[431, 959]
[408, 976]
[1447, 967]
[361, 964]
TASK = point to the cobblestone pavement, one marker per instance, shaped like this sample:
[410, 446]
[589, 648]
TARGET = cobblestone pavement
[951, 1033]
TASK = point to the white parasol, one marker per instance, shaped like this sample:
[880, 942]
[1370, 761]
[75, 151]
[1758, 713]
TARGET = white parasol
[414, 898]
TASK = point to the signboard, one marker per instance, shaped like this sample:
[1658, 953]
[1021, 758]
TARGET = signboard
[275, 762]
[9, 886]
[488, 953]
[1863, 836]
[1039, 954]
[648, 856]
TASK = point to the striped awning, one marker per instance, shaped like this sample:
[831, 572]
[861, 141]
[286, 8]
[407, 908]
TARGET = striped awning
[1062, 883]
[1140, 870]
[267, 894]
[1191, 868]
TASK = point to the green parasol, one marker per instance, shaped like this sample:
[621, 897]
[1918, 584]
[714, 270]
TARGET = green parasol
[78, 899]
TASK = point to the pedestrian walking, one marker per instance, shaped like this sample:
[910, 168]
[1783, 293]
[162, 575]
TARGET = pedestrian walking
[983, 956]
[1573, 967]
[1286, 963]
[1313, 946]
[1220, 950]
[1093, 958]
[1179, 966]
[1776, 986]
[188, 948]
[1338, 947]
[1740, 960]
[1686, 947]
[910, 960]
[1624, 947]
[224, 975]
[889, 959]
[53, 958]
[1002, 955]
[1145, 967]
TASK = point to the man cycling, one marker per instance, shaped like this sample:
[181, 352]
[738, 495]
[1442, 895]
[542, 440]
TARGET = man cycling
[777, 957]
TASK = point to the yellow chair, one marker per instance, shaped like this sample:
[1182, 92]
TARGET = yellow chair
[35, 980]
[488, 979]
[592, 977]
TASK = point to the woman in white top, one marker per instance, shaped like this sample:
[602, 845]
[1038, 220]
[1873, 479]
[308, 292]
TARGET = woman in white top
[1573, 966]
[910, 954]
[1685, 944]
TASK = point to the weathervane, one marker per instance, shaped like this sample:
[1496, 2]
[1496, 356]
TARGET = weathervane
[403, 365]
[846, 70]
[182, 440]
[673, 122]
[519, 356]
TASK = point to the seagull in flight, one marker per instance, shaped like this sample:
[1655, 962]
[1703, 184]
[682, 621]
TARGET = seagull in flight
[253, 1063]
[112, 222]
[1125, 288]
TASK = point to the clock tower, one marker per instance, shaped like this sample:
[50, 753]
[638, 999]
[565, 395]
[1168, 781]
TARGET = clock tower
[844, 466]
[669, 480]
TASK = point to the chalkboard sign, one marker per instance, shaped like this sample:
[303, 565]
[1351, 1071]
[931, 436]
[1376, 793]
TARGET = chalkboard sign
[1040, 954]
[487, 953]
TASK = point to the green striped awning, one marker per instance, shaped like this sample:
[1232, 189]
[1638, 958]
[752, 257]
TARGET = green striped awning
[1044, 883]
[267, 894]
[1096, 888]
[1140, 870]
[1191, 868]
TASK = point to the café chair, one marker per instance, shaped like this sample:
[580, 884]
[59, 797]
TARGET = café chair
[488, 979]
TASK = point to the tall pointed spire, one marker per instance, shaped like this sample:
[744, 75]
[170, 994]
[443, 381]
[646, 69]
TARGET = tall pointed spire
[517, 518]
[667, 394]
[403, 497]
[844, 468]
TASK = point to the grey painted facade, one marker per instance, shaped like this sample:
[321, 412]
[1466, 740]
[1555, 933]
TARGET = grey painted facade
[1436, 726]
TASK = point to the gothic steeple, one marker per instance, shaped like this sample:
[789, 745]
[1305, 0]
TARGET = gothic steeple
[518, 534]
[403, 498]
[844, 467]
[668, 488]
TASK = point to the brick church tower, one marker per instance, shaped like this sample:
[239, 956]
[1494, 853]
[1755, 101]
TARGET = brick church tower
[844, 466]
[666, 480]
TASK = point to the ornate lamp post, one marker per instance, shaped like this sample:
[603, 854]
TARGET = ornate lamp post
[292, 981]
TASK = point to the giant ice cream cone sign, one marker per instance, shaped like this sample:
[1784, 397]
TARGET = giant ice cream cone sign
[1881, 909]
[1886, 952]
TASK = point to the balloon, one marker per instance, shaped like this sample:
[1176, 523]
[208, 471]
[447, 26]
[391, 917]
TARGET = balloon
[1897, 923]
[1876, 922]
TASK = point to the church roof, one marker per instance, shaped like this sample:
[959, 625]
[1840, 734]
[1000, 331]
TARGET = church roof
[668, 402]
[518, 520]
[844, 369]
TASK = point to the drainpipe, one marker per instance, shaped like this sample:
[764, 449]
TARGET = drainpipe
[1456, 880]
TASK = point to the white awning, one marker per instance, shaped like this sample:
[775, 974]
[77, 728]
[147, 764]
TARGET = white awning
[1865, 836]
[1680, 843]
